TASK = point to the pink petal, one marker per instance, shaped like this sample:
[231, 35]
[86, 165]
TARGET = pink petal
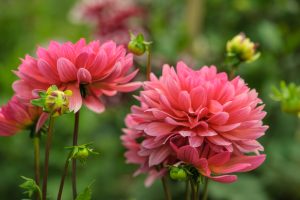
[188, 154]
[41, 121]
[219, 118]
[94, 103]
[224, 178]
[76, 99]
[254, 161]
[66, 70]
[84, 76]
[219, 140]
[219, 159]
[129, 87]
[196, 141]
[47, 71]
[158, 128]
[158, 156]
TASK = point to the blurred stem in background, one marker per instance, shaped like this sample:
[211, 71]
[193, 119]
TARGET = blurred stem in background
[62, 181]
[194, 19]
[195, 189]
[47, 152]
[36, 144]
[187, 189]
[75, 143]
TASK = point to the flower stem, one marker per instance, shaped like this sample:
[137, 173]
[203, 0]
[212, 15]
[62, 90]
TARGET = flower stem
[195, 190]
[36, 144]
[148, 69]
[166, 188]
[205, 191]
[62, 181]
[75, 143]
[47, 152]
[187, 189]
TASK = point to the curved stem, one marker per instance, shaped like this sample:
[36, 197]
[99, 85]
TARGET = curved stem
[75, 143]
[166, 188]
[47, 152]
[205, 190]
[62, 181]
[187, 189]
[36, 145]
[148, 71]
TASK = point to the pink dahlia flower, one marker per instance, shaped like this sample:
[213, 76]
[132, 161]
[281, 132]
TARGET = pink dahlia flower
[199, 118]
[16, 116]
[89, 70]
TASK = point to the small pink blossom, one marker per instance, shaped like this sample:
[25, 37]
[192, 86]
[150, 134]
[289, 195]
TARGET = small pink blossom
[88, 70]
[16, 116]
[196, 117]
[112, 18]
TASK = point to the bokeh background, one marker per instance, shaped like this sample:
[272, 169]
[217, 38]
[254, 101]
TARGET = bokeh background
[195, 31]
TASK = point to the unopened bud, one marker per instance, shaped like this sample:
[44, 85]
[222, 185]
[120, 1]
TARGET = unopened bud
[137, 44]
[177, 173]
[242, 48]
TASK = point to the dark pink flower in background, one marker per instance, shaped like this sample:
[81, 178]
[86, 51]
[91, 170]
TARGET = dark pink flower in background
[196, 117]
[89, 70]
[112, 19]
[16, 116]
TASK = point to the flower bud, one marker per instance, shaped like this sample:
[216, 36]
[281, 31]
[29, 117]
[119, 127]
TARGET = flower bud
[242, 48]
[82, 153]
[137, 44]
[54, 101]
[177, 173]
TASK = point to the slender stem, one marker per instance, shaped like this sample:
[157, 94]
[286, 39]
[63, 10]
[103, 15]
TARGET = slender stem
[195, 190]
[232, 73]
[36, 144]
[62, 181]
[148, 71]
[187, 189]
[166, 188]
[205, 190]
[75, 143]
[47, 152]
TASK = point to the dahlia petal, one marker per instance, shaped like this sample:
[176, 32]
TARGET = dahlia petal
[84, 76]
[153, 175]
[225, 128]
[219, 118]
[185, 100]
[196, 141]
[129, 87]
[94, 104]
[47, 71]
[253, 161]
[66, 70]
[22, 90]
[158, 156]
[100, 63]
[218, 140]
[75, 99]
[224, 178]
[206, 132]
[81, 60]
[215, 107]
[188, 154]
[198, 97]
[230, 168]
[219, 159]
[41, 121]
[158, 128]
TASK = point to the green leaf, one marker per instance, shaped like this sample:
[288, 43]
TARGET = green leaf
[86, 194]
[38, 102]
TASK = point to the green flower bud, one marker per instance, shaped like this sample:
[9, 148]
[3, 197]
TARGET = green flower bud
[242, 48]
[82, 153]
[54, 101]
[177, 173]
[137, 44]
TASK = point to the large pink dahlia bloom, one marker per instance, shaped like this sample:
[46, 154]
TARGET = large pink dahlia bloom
[16, 116]
[89, 70]
[195, 117]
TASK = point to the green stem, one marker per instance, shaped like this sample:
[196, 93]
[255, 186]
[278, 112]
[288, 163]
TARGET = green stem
[148, 69]
[187, 190]
[36, 144]
[75, 143]
[205, 191]
[166, 188]
[62, 181]
[232, 73]
[47, 152]
[195, 190]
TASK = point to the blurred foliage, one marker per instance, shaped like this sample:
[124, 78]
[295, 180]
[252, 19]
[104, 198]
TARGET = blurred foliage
[274, 24]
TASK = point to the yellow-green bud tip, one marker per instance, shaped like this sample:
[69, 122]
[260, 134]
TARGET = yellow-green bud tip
[243, 48]
[177, 173]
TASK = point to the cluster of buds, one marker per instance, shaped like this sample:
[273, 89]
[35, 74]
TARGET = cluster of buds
[137, 44]
[289, 96]
[242, 49]
[53, 101]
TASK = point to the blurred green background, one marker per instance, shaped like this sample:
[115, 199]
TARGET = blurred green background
[195, 31]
